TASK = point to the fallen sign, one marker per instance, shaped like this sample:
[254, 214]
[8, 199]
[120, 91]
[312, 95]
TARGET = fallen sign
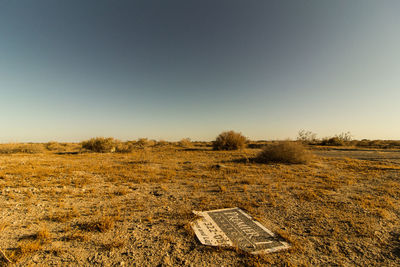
[235, 228]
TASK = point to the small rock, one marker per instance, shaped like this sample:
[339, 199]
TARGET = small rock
[218, 166]
[157, 194]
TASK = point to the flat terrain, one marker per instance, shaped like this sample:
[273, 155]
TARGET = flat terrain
[134, 209]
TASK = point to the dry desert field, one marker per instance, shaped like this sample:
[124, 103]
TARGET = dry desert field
[65, 207]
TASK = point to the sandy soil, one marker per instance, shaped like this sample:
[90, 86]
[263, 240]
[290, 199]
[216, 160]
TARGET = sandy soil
[134, 209]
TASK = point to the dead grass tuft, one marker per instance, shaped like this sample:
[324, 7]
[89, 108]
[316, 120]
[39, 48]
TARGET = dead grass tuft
[102, 224]
[112, 244]
[30, 244]
[77, 235]
[24, 249]
[43, 234]
[63, 216]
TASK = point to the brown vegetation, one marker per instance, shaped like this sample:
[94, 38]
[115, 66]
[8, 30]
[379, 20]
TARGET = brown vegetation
[284, 152]
[21, 148]
[185, 142]
[102, 224]
[229, 141]
[100, 144]
[134, 208]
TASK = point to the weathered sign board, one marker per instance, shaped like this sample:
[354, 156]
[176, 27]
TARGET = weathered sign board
[233, 227]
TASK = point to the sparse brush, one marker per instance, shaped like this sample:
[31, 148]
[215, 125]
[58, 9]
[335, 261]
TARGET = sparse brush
[144, 142]
[333, 141]
[124, 147]
[284, 152]
[21, 148]
[100, 144]
[229, 141]
[52, 146]
[162, 143]
[185, 142]
[307, 137]
[377, 143]
[338, 140]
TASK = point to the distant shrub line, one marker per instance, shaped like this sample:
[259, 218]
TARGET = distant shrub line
[344, 139]
[228, 140]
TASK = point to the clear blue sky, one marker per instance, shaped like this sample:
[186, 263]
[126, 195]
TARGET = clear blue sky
[70, 70]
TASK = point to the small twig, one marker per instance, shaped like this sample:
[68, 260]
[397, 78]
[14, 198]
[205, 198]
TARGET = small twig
[5, 256]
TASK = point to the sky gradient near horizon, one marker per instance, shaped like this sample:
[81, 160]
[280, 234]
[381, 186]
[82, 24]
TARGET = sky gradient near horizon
[70, 70]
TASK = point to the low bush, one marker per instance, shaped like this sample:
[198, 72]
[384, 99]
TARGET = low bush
[333, 141]
[124, 147]
[185, 142]
[144, 142]
[52, 146]
[229, 141]
[161, 143]
[284, 152]
[100, 144]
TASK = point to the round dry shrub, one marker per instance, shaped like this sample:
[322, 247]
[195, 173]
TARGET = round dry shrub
[229, 141]
[144, 142]
[284, 152]
[185, 142]
[124, 147]
[100, 144]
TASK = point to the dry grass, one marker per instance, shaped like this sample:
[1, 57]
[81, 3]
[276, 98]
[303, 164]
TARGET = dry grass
[3, 226]
[113, 244]
[43, 234]
[63, 216]
[334, 211]
[30, 244]
[284, 152]
[21, 148]
[24, 249]
[76, 235]
[102, 224]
